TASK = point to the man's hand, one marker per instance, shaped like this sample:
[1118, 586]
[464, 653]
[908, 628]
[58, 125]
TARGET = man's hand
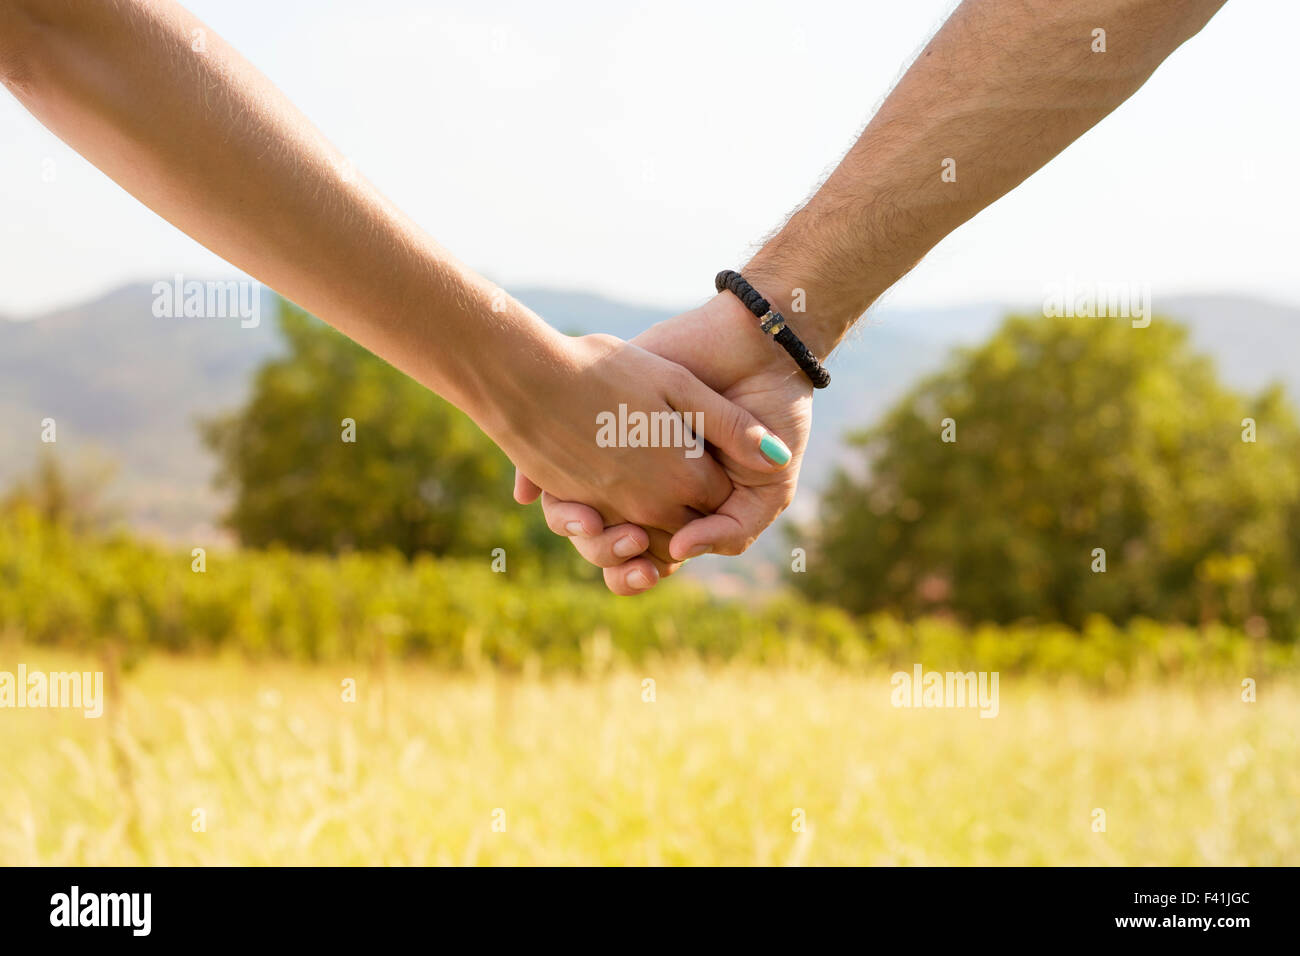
[722, 345]
[548, 425]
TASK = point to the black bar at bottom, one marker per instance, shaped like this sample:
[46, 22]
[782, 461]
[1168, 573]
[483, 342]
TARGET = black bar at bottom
[336, 906]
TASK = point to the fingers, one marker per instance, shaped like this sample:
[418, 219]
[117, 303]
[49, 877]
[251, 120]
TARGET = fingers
[525, 491]
[735, 526]
[712, 534]
[581, 524]
[645, 571]
[632, 577]
[634, 560]
[620, 549]
[659, 549]
[728, 427]
[570, 518]
[606, 547]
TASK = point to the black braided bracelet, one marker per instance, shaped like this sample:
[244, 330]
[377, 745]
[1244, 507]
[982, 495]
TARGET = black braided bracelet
[773, 324]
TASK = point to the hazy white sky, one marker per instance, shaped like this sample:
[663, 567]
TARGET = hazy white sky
[587, 145]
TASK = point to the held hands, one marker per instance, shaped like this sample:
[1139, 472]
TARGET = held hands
[746, 376]
[548, 425]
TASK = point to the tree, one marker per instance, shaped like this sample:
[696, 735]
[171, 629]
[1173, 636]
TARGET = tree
[75, 498]
[1075, 445]
[337, 450]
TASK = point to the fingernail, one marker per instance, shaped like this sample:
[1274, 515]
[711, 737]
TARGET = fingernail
[626, 546]
[774, 449]
[575, 527]
[698, 550]
[638, 580]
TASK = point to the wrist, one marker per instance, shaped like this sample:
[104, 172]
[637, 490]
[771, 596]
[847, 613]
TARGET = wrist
[818, 318]
[720, 342]
[741, 348]
[523, 362]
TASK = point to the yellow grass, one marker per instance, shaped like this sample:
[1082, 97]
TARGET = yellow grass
[586, 772]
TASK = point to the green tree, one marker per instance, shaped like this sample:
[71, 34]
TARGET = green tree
[419, 477]
[1071, 435]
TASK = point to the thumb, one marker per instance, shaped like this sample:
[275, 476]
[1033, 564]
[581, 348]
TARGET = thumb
[728, 427]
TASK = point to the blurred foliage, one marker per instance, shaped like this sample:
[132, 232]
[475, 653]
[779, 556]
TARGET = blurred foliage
[1071, 435]
[72, 497]
[87, 592]
[419, 477]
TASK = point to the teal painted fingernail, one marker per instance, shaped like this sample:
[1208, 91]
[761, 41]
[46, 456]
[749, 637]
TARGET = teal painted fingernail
[774, 449]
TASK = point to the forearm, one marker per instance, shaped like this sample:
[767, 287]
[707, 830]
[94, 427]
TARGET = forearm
[1002, 88]
[203, 139]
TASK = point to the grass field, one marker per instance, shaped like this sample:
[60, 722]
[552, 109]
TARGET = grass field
[585, 771]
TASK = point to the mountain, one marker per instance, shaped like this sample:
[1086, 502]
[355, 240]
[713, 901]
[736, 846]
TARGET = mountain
[1252, 342]
[127, 386]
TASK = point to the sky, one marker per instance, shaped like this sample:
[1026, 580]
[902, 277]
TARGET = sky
[635, 150]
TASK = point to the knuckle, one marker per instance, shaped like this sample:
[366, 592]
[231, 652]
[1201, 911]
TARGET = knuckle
[732, 425]
[787, 499]
[679, 376]
[730, 547]
[700, 498]
[668, 517]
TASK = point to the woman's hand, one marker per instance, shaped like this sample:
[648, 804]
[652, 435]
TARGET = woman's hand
[719, 343]
[558, 420]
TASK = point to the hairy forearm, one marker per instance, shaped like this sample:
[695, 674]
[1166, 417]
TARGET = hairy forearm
[1002, 88]
[180, 120]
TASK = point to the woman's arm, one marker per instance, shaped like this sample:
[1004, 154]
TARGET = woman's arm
[201, 137]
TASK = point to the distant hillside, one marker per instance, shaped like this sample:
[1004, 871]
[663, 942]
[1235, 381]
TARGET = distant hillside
[131, 386]
[127, 386]
[1252, 341]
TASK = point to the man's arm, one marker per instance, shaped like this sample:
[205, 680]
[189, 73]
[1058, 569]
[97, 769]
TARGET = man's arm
[1002, 88]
